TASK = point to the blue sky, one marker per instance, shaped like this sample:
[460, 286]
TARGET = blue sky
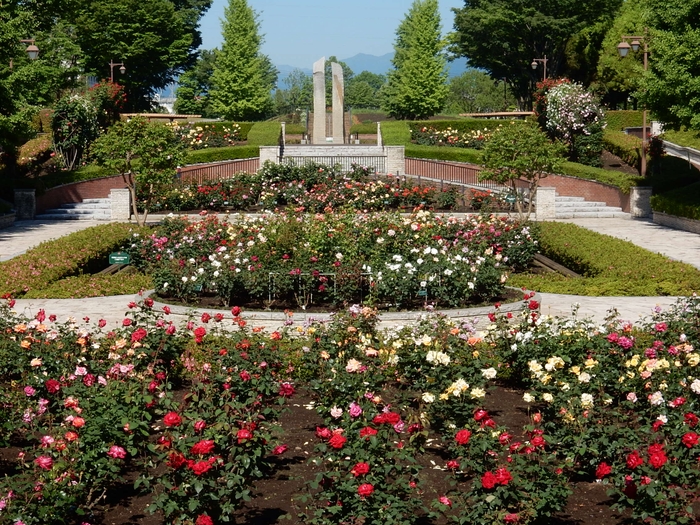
[299, 32]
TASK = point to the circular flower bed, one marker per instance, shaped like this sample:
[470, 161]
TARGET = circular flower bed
[296, 260]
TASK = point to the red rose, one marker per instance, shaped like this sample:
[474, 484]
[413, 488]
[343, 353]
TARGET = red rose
[337, 441]
[243, 435]
[392, 418]
[176, 460]
[504, 438]
[138, 335]
[89, 380]
[148, 302]
[488, 423]
[360, 469]
[203, 519]
[365, 490]
[658, 459]
[199, 334]
[603, 470]
[78, 422]
[488, 480]
[511, 518]
[379, 419]
[172, 419]
[126, 322]
[244, 375]
[286, 390]
[236, 311]
[538, 441]
[200, 425]
[690, 439]
[202, 447]
[445, 501]
[53, 386]
[166, 310]
[206, 317]
[44, 462]
[462, 437]
[452, 464]
[533, 305]
[367, 432]
[200, 467]
[323, 432]
[503, 476]
[279, 450]
[480, 414]
[690, 419]
[634, 460]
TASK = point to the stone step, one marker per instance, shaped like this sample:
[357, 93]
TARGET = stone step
[87, 206]
[601, 214]
[564, 198]
[580, 204]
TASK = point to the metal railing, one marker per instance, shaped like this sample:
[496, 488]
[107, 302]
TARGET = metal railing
[378, 163]
[450, 173]
[199, 174]
[690, 154]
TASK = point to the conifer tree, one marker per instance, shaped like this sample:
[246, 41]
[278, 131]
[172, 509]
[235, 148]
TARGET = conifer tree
[417, 86]
[241, 90]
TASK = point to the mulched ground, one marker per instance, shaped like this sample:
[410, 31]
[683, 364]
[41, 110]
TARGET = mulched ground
[276, 497]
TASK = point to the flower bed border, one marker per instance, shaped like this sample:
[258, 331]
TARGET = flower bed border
[386, 318]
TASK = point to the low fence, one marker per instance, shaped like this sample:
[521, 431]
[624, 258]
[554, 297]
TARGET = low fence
[690, 154]
[377, 164]
[198, 174]
[449, 172]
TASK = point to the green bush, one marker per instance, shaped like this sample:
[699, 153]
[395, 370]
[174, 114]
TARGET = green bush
[264, 134]
[396, 133]
[81, 286]
[471, 156]
[366, 128]
[627, 147]
[204, 156]
[670, 173]
[83, 251]
[609, 266]
[621, 119]
[683, 202]
[618, 179]
[462, 125]
[295, 129]
[685, 137]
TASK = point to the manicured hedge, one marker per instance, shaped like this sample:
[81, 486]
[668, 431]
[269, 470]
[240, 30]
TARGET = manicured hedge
[463, 126]
[687, 138]
[621, 119]
[627, 147]
[83, 251]
[618, 179]
[81, 286]
[397, 133]
[264, 134]
[610, 266]
[471, 156]
[207, 155]
[683, 202]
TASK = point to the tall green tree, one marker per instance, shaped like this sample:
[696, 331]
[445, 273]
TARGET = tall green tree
[617, 77]
[192, 94]
[241, 90]
[671, 88]
[155, 39]
[298, 94]
[504, 36]
[475, 91]
[364, 89]
[417, 86]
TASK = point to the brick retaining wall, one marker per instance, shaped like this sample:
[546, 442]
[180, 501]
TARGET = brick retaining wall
[588, 189]
[77, 191]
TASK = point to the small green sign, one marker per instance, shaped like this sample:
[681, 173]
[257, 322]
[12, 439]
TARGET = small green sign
[119, 258]
[422, 293]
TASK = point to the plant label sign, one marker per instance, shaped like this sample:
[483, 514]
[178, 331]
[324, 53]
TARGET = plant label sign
[119, 258]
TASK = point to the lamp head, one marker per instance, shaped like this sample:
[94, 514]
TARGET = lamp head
[122, 69]
[534, 64]
[32, 52]
[623, 48]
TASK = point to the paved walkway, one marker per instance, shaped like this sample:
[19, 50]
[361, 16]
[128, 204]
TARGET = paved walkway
[676, 244]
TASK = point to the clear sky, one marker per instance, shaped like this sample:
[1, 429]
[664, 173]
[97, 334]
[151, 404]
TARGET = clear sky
[299, 32]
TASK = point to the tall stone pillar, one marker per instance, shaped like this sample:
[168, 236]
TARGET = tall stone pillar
[338, 104]
[319, 132]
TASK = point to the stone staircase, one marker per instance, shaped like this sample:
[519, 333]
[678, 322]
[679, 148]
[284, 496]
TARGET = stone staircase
[579, 208]
[88, 210]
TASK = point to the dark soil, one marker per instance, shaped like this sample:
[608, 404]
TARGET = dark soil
[615, 163]
[275, 498]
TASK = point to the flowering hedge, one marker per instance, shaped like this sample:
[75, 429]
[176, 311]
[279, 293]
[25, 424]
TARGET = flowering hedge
[610, 401]
[296, 260]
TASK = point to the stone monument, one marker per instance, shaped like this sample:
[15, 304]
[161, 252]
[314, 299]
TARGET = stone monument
[338, 103]
[319, 132]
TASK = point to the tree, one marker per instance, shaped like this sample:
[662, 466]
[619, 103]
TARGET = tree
[671, 89]
[475, 91]
[417, 86]
[619, 77]
[520, 152]
[241, 90]
[504, 36]
[363, 90]
[155, 39]
[146, 154]
[298, 95]
[74, 127]
[194, 85]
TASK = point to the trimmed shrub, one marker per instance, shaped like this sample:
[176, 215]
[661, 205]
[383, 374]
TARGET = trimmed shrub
[81, 286]
[620, 119]
[683, 202]
[204, 156]
[627, 147]
[264, 134]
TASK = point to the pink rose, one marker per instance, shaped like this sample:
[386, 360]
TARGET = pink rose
[116, 452]
[44, 462]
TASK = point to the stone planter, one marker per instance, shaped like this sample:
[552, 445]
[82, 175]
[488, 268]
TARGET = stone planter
[679, 223]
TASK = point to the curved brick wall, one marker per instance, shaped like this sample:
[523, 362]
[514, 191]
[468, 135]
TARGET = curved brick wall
[77, 192]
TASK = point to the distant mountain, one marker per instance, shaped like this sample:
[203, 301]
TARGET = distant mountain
[378, 65]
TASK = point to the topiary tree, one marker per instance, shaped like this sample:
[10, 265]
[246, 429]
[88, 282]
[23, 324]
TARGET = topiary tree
[145, 153]
[74, 125]
[521, 154]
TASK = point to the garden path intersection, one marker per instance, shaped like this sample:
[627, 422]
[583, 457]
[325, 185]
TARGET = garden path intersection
[675, 244]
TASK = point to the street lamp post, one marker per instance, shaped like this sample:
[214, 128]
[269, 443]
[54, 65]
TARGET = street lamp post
[535, 63]
[31, 50]
[112, 65]
[623, 49]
